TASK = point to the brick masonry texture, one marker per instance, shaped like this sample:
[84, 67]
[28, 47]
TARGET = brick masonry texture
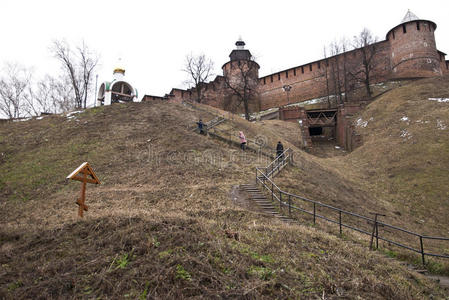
[409, 51]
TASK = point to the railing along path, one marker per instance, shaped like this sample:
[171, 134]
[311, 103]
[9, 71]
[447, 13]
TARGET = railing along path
[264, 177]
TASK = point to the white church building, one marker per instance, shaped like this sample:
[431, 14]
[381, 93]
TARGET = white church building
[117, 91]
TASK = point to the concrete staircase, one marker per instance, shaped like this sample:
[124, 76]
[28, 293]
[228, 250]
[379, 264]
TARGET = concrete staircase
[262, 203]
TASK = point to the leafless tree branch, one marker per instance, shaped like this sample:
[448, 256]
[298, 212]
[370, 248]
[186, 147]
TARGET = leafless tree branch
[199, 70]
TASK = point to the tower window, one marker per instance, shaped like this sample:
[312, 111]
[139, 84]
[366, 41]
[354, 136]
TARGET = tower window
[271, 77]
[319, 65]
[430, 27]
[310, 67]
[417, 25]
[404, 29]
[286, 74]
[264, 81]
[302, 69]
[279, 76]
[393, 35]
[294, 72]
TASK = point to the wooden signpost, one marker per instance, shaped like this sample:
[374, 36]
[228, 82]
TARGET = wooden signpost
[85, 174]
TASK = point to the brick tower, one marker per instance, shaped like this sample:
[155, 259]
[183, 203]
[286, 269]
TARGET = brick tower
[241, 58]
[413, 50]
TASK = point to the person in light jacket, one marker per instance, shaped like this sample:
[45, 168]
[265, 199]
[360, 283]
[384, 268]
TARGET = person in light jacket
[242, 140]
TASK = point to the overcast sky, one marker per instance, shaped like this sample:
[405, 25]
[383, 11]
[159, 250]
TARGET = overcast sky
[153, 37]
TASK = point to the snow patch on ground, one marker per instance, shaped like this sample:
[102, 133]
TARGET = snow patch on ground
[405, 134]
[22, 119]
[439, 99]
[361, 123]
[441, 125]
[70, 114]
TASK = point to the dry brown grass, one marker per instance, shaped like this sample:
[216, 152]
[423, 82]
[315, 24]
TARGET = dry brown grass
[404, 177]
[157, 225]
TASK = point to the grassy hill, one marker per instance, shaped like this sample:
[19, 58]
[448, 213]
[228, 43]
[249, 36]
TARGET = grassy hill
[401, 169]
[163, 223]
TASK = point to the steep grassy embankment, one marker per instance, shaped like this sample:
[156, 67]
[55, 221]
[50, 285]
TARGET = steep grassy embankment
[162, 223]
[401, 169]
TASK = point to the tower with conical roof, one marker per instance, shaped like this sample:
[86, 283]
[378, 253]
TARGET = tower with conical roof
[413, 49]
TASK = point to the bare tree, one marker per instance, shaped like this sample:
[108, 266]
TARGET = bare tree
[367, 47]
[50, 95]
[200, 70]
[14, 86]
[241, 83]
[326, 75]
[336, 74]
[344, 49]
[79, 66]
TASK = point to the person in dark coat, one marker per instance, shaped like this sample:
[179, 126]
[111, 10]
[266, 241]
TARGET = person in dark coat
[279, 150]
[200, 126]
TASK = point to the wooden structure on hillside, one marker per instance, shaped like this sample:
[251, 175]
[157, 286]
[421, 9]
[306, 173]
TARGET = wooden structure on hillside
[85, 174]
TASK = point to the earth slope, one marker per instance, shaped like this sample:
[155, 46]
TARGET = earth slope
[162, 224]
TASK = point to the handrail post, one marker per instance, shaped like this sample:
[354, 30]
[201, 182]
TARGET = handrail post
[256, 178]
[377, 236]
[339, 222]
[314, 213]
[372, 234]
[422, 250]
[280, 200]
[272, 191]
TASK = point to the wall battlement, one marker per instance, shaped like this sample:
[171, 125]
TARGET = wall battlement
[409, 51]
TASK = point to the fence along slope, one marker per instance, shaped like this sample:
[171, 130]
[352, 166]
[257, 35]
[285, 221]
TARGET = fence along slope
[264, 176]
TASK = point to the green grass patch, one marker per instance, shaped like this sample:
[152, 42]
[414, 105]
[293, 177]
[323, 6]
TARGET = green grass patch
[182, 273]
[263, 273]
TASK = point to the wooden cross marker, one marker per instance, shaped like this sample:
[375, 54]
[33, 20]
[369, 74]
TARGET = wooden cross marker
[85, 174]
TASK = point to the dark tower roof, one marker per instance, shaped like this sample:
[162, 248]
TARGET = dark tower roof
[240, 53]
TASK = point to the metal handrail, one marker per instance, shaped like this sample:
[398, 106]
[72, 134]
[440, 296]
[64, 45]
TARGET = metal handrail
[278, 163]
[264, 178]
